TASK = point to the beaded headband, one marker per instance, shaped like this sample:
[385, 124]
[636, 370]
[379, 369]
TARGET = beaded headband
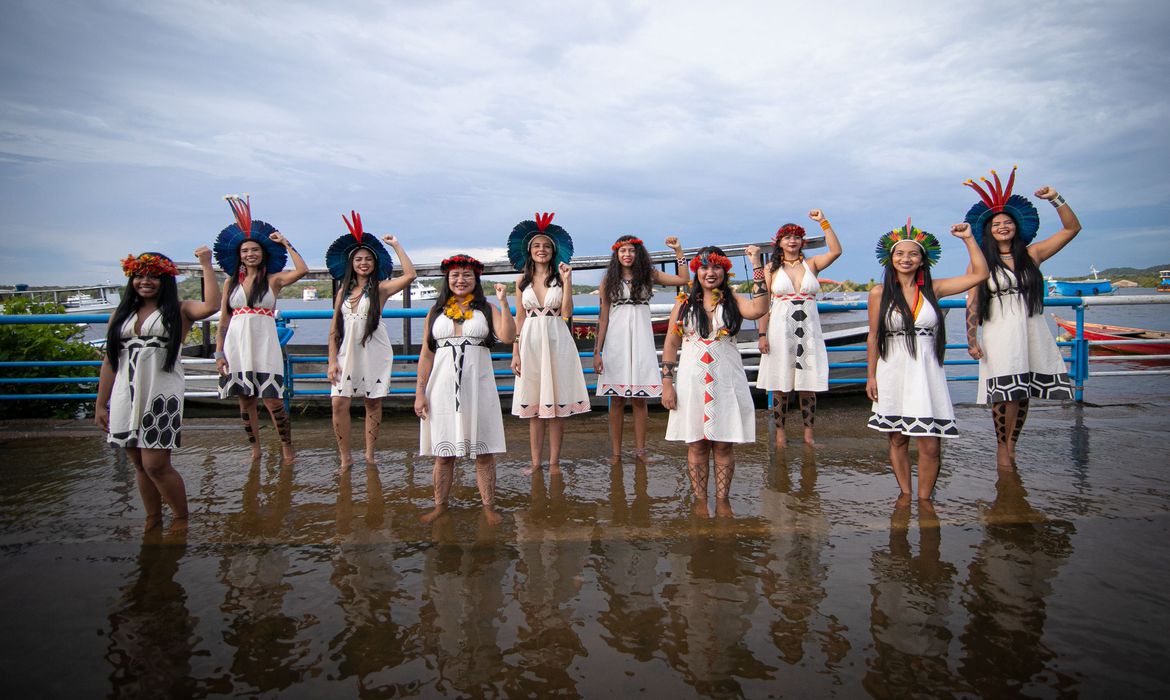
[149, 264]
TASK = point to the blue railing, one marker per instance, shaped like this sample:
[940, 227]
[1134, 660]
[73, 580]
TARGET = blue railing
[1078, 358]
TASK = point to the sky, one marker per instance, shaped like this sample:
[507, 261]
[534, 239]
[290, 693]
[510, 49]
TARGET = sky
[122, 124]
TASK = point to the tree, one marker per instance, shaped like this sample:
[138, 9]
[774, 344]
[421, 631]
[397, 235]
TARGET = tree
[41, 343]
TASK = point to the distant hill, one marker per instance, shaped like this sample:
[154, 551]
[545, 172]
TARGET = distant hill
[1145, 277]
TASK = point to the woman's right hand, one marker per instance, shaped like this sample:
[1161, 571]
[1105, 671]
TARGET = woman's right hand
[516, 365]
[975, 351]
[765, 348]
[221, 365]
[101, 418]
[421, 409]
[333, 374]
[871, 389]
[669, 397]
[598, 366]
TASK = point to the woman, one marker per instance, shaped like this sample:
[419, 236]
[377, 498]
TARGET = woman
[360, 354]
[550, 384]
[904, 349]
[624, 357]
[140, 390]
[1018, 358]
[456, 395]
[706, 389]
[247, 350]
[792, 350]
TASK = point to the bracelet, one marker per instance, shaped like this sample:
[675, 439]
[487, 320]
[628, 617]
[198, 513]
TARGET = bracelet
[824, 224]
[758, 274]
[681, 262]
[219, 355]
[1057, 202]
[668, 369]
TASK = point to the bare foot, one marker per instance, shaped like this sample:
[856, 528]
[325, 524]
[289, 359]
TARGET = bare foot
[345, 467]
[723, 508]
[1004, 461]
[615, 460]
[781, 440]
[700, 509]
[287, 454]
[554, 468]
[641, 455]
[531, 469]
[809, 442]
[152, 521]
[178, 527]
[433, 515]
[256, 455]
[370, 460]
[492, 516]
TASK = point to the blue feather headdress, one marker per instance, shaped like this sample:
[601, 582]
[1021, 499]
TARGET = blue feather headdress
[337, 257]
[521, 237]
[998, 199]
[228, 242]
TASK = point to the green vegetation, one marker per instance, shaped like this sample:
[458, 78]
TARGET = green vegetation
[40, 342]
[1145, 277]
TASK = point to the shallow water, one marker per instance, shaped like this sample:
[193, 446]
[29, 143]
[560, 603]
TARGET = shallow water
[292, 581]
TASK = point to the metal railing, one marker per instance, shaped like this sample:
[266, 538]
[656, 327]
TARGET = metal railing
[1079, 357]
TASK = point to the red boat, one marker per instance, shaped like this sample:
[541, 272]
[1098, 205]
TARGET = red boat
[1101, 331]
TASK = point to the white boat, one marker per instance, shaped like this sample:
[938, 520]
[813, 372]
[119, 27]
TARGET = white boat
[309, 294]
[418, 292]
[83, 303]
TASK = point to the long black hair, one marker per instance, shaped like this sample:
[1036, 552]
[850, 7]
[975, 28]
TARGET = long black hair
[894, 301]
[168, 307]
[348, 282]
[1029, 280]
[641, 280]
[553, 279]
[693, 306]
[260, 286]
[479, 302]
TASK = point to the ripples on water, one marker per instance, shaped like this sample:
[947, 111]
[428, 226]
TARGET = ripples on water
[598, 582]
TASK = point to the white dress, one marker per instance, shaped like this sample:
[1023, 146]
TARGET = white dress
[551, 383]
[1020, 357]
[912, 391]
[714, 402]
[365, 369]
[796, 359]
[255, 365]
[464, 418]
[146, 406]
[629, 359]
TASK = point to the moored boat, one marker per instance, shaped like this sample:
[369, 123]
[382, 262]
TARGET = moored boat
[1164, 281]
[1089, 287]
[1102, 331]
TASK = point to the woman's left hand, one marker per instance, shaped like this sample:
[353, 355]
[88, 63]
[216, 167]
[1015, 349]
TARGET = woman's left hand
[566, 272]
[1046, 192]
[673, 244]
[389, 239]
[278, 237]
[502, 293]
[816, 215]
[752, 251]
[203, 254]
[961, 231]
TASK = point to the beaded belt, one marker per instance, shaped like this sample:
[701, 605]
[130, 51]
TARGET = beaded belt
[793, 297]
[629, 302]
[1005, 292]
[542, 312]
[917, 331]
[252, 310]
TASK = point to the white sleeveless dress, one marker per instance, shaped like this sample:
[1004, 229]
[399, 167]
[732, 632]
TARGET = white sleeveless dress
[629, 358]
[1020, 357]
[796, 360]
[255, 364]
[464, 418]
[912, 391]
[714, 401]
[551, 382]
[365, 369]
[146, 406]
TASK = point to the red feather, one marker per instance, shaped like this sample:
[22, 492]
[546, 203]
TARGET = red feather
[1011, 182]
[982, 195]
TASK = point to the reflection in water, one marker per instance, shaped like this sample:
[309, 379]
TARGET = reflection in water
[792, 573]
[711, 602]
[552, 540]
[152, 634]
[263, 635]
[911, 603]
[1008, 583]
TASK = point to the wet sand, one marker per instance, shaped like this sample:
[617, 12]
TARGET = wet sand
[294, 581]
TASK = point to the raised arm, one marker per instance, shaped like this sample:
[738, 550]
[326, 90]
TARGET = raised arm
[390, 287]
[1070, 227]
[198, 310]
[682, 273]
[820, 262]
[670, 348]
[502, 317]
[283, 279]
[566, 273]
[976, 272]
[757, 306]
[602, 327]
[871, 343]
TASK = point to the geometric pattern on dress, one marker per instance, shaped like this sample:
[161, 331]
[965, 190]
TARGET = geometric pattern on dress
[266, 385]
[161, 423]
[633, 391]
[464, 448]
[799, 331]
[548, 410]
[458, 347]
[707, 365]
[1018, 387]
[914, 426]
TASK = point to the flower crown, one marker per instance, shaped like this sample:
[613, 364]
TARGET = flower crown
[926, 241]
[628, 241]
[149, 264]
[789, 230]
[461, 261]
[709, 260]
